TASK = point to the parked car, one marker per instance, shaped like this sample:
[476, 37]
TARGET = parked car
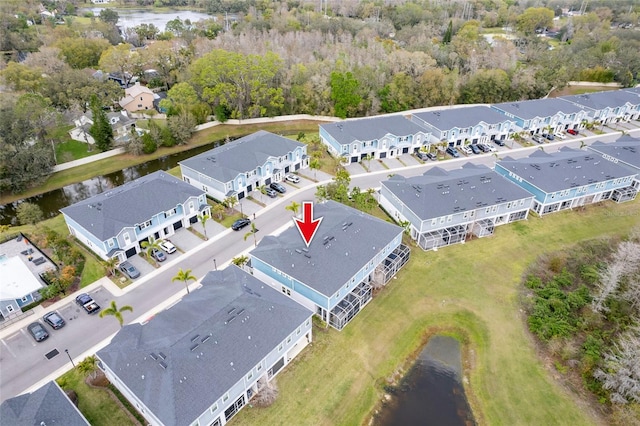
[466, 149]
[278, 187]
[37, 331]
[538, 138]
[498, 142]
[87, 303]
[270, 192]
[167, 246]
[559, 135]
[292, 178]
[490, 147]
[475, 149]
[54, 320]
[240, 223]
[572, 132]
[548, 136]
[158, 255]
[431, 156]
[453, 152]
[483, 147]
[422, 155]
[129, 270]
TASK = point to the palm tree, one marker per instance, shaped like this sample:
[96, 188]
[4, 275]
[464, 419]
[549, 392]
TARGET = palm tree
[110, 265]
[263, 191]
[203, 220]
[230, 202]
[314, 165]
[87, 365]
[443, 147]
[253, 231]
[184, 276]
[114, 311]
[368, 159]
[294, 207]
[582, 144]
[240, 261]
[150, 246]
[218, 209]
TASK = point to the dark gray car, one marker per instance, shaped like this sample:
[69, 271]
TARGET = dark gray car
[129, 270]
[54, 320]
[37, 331]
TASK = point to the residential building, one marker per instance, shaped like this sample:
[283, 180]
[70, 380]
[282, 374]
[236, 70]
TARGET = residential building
[447, 207]
[568, 178]
[121, 124]
[239, 167]
[115, 222]
[457, 126]
[544, 115]
[608, 107]
[625, 151]
[47, 406]
[376, 137]
[201, 360]
[351, 253]
[136, 98]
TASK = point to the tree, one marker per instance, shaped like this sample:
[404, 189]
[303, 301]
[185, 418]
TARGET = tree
[88, 365]
[252, 232]
[180, 98]
[534, 18]
[294, 207]
[240, 261]
[80, 52]
[109, 16]
[230, 202]
[110, 265]
[218, 210]
[446, 39]
[122, 60]
[150, 246]
[101, 129]
[486, 86]
[315, 165]
[203, 218]
[185, 277]
[28, 213]
[344, 94]
[116, 312]
[181, 126]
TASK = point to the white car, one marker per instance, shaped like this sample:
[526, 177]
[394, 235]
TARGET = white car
[559, 135]
[168, 246]
[466, 150]
[292, 178]
[490, 147]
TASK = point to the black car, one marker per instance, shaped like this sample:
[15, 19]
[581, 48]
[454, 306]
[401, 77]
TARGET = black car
[431, 156]
[474, 148]
[37, 331]
[548, 136]
[270, 192]
[278, 187]
[54, 320]
[240, 223]
[483, 148]
[498, 142]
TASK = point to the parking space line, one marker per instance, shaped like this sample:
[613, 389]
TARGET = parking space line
[28, 337]
[8, 348]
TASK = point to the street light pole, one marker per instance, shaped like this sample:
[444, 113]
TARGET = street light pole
[67, 351]
[214, 265]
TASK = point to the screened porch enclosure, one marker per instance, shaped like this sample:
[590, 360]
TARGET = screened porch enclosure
[442, 237]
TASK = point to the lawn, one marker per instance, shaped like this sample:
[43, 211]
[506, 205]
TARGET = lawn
[74, 150]
[98, 407]
[119, 162]
[470, 289]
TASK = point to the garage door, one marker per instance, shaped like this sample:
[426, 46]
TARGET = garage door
[383, 155]
[193, 219]
[267, 181]
[177, 225]
[130, 252]
[354, 159]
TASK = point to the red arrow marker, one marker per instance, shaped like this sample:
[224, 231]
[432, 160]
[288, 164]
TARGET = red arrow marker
[307, 226]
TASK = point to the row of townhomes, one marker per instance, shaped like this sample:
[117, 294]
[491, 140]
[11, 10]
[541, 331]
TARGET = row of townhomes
[116, 222]
[239, 167]
[393, 135]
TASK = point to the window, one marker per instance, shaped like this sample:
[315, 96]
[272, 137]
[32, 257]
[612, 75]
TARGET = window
[25, 299]
[144, 225]
[225, 398]
[288, 339]
[214, 408]
[434, 222]
[298, 331]
[250, 376]
[442, 219]
[111, 243]
[280, 347]
[9, 308]
[286, 291]
[494, 209]
[449, 218]
[259, 367]
[487, 210]
[307, 323]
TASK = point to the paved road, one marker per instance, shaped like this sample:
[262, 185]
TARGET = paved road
[23, 365]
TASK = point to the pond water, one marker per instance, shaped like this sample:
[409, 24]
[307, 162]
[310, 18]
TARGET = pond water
[51, 202]
[431, 393]
[133, 17]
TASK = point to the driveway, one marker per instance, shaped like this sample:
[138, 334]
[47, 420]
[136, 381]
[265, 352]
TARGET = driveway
[185, 240]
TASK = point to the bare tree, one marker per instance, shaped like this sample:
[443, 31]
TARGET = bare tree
[621, 374]
[626, 259]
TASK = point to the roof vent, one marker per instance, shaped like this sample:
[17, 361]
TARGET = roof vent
[153, 356]
[162, 355]
[163, 365]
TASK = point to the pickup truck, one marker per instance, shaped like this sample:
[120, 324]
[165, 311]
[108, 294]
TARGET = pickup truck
[87, 303]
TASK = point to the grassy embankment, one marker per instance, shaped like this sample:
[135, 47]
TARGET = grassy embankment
[471, 288]
[110, 165]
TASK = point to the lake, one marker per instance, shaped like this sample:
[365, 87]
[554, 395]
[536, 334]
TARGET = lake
[133, 17]
[431, 393]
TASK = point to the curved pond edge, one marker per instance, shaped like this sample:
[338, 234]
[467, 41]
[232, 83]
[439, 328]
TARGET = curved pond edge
[468, 357]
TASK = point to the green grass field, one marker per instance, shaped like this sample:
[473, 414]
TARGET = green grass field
[471, 289]
[74, 150]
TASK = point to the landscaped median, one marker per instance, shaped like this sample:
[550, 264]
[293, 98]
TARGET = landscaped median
[471, 288]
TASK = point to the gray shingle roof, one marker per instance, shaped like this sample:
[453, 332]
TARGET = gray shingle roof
[461, 117]
[440, 193]
[329, 263]
[135, 202]
[564, 169]
[601, 100]
[193, 379]
[538, 108]
[626, 149]
[226, 162]
[46, 406]
[369, 129]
